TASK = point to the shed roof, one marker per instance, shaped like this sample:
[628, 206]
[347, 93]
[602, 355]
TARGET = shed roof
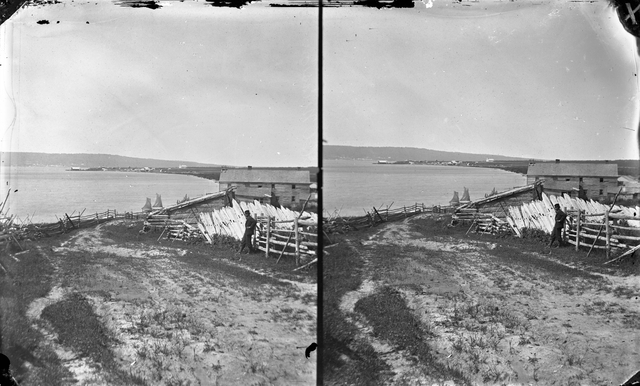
[573, 169]
[500, 196]
[629, 181]
[270, 176]
[193, 201]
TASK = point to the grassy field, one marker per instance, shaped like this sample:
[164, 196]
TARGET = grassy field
[419, 302]
[112, 306]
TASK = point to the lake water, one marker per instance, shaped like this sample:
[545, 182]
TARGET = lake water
[48, 192]
[349, 186]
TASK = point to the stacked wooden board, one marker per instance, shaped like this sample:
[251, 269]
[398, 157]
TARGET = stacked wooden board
[229, 221]
[540, 214]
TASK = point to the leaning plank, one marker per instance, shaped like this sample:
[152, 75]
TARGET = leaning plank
[629, 252]
[573, 242]
[282, 253]
[308, 264]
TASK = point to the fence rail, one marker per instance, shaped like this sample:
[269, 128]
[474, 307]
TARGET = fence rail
[612, 228]
[611, 235]
[337, 224]
[66, 223]
[298, 243]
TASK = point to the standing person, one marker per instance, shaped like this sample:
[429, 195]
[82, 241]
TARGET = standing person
[249, 230]
[558, 227]
[6, 379]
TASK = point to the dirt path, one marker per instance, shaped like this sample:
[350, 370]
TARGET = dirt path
[177, 322]
[497, 318]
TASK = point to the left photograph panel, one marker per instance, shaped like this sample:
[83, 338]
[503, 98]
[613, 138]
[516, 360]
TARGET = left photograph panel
[159, 192]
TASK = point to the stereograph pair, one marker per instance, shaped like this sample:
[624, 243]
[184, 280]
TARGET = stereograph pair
[293, 192]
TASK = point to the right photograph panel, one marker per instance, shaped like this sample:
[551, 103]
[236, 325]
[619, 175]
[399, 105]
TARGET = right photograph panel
[480, 193]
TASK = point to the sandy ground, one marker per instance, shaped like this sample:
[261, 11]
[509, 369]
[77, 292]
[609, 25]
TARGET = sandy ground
[531, 320]
[175, 324]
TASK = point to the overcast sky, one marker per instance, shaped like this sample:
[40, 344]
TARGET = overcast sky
[553, 80]
[184, 82]
[239, 86]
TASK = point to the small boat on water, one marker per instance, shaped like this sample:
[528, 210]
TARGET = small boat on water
[455, 201]
[185, 199]
[465, 197]
[493, 193]
[147, 206]
[158, 203]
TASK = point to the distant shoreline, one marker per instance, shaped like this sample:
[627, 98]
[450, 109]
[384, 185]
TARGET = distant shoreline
[625, 167]
[208, 173]
[518, 167]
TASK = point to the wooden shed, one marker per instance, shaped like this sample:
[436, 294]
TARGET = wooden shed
[189, 210]
[290, 187]
[630, 187]
[499, 203]
[586, 180]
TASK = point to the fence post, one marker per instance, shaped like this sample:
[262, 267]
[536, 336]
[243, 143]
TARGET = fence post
[606, 222]
[578, 229]
[295, 229]
[266, 253]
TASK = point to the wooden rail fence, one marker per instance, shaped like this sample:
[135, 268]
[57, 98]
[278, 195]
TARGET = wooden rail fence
[479, 222]
[66, 223]
[611, 235]
[297, 237]
[69, 222]
[612, 228]
[337, 224]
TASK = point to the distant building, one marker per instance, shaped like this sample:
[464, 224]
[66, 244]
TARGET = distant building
[182, 167]
[490, 160]
[587, 180]
[630, 187]
[291, 187]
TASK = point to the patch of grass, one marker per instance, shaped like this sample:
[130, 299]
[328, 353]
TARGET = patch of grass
[345, 360]
[519, 250]
[289, 315]
[79, 329]
[439, 225]
[27, 279]
[393, 321]
[211, 256]
[575, 359]
[459, 344]
[625, 292]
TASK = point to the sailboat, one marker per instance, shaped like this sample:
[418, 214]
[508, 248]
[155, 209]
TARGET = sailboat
[147, 206]
[158, 203]
[455, 201]
[185, 199]
[465, 197]
[493, 193]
